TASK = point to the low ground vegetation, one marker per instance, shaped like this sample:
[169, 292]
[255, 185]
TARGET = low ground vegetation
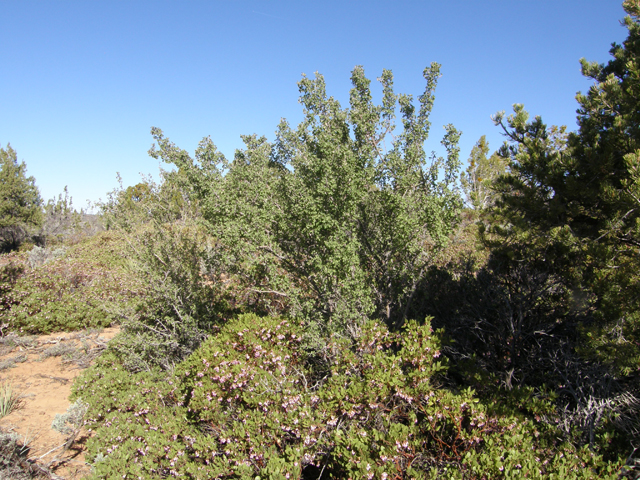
[247, 404]
[50, 289]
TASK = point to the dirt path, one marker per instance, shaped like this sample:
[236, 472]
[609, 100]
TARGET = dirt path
[41, 369]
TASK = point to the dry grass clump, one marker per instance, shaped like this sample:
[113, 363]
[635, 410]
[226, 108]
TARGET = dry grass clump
[14, 461]
[11, 341]
[62, 349]
[10, 362]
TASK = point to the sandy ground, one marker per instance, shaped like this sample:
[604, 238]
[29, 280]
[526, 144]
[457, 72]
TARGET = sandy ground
[41, 370]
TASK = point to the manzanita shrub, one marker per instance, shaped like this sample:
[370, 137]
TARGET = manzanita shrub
[71, 292]
[10, 271]
[251, 403]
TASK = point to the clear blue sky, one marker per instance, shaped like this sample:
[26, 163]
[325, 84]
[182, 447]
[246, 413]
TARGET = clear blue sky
[82, 82]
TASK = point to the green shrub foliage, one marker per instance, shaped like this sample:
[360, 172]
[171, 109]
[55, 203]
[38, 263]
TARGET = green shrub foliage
[248, 404]
[9, 274]
[274, 338]
[183, 268]
[51, 290]
[183, 299]
[338, 219]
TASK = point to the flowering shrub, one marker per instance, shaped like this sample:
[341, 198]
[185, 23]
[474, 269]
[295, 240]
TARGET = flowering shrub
[70, 292]
[139, 431]
[10, 271]
[249, 389]
[248, 404]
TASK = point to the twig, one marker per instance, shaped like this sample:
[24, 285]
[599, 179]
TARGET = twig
[64, 381]
[56, 448]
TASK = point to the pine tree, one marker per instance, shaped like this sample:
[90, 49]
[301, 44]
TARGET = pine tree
[573, 201]
[20, 202]
[478, 178]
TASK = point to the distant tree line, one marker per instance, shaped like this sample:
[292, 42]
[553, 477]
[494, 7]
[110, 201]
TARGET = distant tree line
[25, 217]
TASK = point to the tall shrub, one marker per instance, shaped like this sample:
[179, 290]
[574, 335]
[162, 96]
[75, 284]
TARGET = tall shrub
[338, 219]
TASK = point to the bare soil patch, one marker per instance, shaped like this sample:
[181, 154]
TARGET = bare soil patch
[41, 370]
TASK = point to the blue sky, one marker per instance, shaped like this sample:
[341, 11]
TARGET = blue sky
[82, 83]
